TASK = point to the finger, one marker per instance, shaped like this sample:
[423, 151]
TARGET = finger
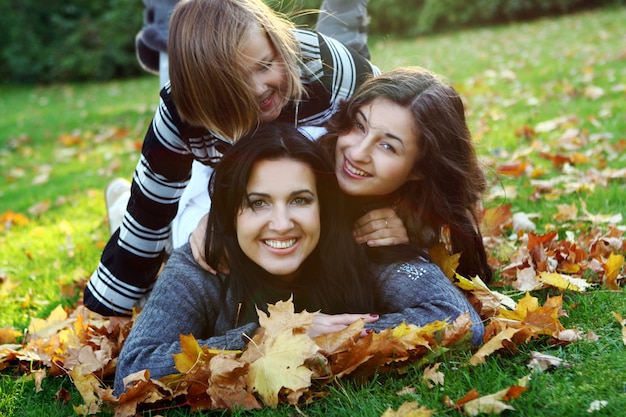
[398, 233]
[376, 214]
[342, 319]
[387, 241]
[366, 231]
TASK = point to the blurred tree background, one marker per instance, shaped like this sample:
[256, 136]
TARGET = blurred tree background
[88, 40]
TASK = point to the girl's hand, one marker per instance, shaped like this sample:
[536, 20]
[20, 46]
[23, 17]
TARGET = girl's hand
[196, 241]
[381, 227]
[330, 323]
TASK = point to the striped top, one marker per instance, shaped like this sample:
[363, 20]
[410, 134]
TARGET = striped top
[133, 256]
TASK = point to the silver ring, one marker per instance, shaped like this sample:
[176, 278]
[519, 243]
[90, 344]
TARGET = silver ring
[386, 223]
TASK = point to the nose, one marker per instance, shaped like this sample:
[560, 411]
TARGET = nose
[258, 84]
[281, 220]
[360, 150]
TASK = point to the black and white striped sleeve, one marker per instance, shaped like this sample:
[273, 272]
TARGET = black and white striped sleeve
[332, 72]
[133, 256]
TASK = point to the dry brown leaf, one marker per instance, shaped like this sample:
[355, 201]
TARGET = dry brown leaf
[342, 340]
[432, 376]
[489, 404]
[492, 345]
[409, 409]
[542, 362]
[227, 384]
[140, 389]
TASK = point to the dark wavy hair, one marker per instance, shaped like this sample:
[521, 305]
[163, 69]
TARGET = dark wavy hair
[334, 278]
[451, 182]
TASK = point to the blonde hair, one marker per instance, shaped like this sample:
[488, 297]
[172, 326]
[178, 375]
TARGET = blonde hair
[209, 82]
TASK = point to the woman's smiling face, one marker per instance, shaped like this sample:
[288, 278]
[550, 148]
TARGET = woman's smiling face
[278, 226]
[377, 156]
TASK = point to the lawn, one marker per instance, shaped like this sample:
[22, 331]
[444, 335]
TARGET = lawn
[546, 103]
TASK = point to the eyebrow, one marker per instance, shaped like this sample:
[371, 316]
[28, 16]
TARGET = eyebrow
[292, 194]
[387, 134]
[268, 58]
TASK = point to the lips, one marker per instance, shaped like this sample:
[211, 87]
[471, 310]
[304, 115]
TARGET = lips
[266, 103]
[353, 171]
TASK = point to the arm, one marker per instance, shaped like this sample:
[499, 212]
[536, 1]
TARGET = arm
[133, 255]
[185, 300]
[331, 73]
[419, 293]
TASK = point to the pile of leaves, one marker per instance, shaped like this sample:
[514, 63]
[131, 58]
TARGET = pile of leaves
[281, 364]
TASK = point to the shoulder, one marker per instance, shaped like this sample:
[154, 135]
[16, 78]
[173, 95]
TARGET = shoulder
[413, 270]
[412, 277]
[182, 271]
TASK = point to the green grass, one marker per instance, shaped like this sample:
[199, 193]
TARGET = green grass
[510, 77]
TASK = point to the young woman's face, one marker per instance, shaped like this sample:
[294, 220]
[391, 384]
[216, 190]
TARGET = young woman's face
[268, 74]
[377, 155]
[279, 226]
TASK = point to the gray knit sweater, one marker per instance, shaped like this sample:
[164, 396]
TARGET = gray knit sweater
[188, 300]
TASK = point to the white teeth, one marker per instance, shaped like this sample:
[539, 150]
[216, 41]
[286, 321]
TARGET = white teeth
[280, 244]
[356, 171]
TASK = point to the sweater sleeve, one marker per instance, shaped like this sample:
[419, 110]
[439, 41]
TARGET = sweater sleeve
[186, 300]
[419, 293]
[132, 258]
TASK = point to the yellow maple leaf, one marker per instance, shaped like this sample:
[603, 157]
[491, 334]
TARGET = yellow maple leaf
[9, 335]
[281, 366]
[191, 354]
[492, 345]
[612, 266]
[282, 317]
[45, 327]
[412, 336]
[526, 304]
[87, 385]
[563, 282]
[448, 263]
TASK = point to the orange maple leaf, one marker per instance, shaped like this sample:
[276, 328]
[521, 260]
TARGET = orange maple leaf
[494, 220]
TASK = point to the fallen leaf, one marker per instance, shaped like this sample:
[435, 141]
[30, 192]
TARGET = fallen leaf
[410, 409]
[492, 345]
[281, 365]
[433, 377]
[613, 267]
[542, 362]
[563, 282]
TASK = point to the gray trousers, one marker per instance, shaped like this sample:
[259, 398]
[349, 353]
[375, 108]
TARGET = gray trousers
[346, 21]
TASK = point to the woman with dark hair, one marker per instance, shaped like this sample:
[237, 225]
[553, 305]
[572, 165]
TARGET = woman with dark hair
[278, 218]
[402, 141]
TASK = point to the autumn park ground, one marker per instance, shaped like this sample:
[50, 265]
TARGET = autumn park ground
[546, 104]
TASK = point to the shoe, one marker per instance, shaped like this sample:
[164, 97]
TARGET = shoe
[116, 197]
